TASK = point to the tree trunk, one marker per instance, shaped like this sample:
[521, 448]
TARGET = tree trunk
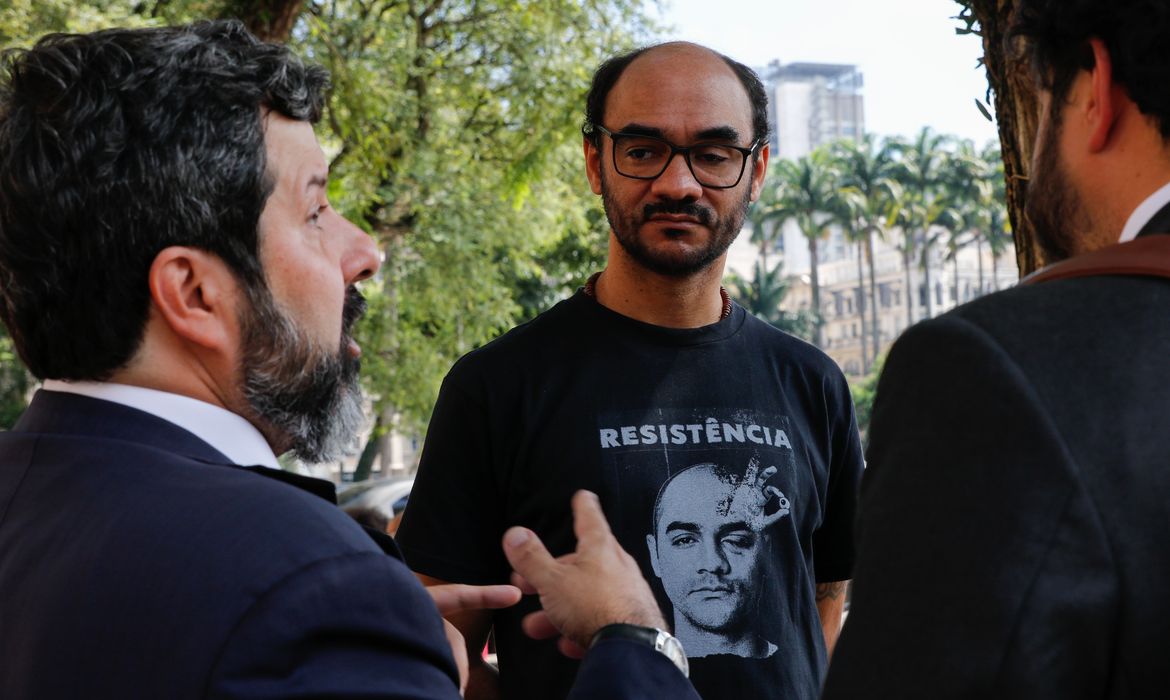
[818, 322]
[927, 282]
[765, 241]
[873, 297]
[269, 20]
[1017, 113]
[908, 264]
[815, 284]
[861, 307]
[955, 262]
[979, 260]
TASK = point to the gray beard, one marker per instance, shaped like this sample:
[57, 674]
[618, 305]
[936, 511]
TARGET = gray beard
[307, 397]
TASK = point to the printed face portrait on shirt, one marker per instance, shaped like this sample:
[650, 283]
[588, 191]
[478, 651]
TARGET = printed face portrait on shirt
[707, 548]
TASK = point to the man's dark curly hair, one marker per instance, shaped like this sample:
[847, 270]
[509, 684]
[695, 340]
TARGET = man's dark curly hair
[1053, 36]
[611, 70]
[118, 144]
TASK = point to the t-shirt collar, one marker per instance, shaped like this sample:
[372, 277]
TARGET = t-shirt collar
[227, 432]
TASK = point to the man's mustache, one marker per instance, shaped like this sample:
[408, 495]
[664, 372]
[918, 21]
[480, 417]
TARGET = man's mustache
[701, 214]
[355, 308]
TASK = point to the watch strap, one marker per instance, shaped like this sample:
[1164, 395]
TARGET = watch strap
[658, 640]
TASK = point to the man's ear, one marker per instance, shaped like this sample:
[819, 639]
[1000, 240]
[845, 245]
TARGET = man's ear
[759, 171]
[195, 293]
[593, 164]
[653, 547]
[1105, 97]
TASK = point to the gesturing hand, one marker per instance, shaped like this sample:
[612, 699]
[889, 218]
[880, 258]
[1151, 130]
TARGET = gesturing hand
[455, 597]
[753, 495]
[597, 585]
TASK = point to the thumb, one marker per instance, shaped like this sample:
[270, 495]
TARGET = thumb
[528, 556]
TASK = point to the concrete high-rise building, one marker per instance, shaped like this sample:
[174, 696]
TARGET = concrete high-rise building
[811, 104]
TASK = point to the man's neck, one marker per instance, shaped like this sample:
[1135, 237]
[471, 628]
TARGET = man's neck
[671, 302]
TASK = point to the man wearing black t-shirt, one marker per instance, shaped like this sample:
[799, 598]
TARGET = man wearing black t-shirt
[652, 389]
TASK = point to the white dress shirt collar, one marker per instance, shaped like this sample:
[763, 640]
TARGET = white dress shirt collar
[227, 432]
[1145, 211]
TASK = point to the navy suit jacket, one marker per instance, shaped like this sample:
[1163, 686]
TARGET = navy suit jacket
[137, 562]
[1014, 525]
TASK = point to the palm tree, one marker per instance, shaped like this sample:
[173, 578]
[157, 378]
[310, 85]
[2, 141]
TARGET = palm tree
[869, 190]
[978, 187]
[996, 231]
[804, 193]
[765, 228]
[965, 186]
[920, 168]
[847, 213]
[763, 296]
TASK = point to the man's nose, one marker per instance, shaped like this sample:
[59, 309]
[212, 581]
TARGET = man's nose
[361, 258]
[713, 561]
[677, 181]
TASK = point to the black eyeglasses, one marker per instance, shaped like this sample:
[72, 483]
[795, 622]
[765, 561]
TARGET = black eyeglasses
[716, 165]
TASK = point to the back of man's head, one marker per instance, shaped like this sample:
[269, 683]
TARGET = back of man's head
[1054, 38]
[114, 146]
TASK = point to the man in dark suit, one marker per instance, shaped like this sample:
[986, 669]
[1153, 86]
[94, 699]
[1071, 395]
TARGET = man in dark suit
[171, 267]
[1014, 529]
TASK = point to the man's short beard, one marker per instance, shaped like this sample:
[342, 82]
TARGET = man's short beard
[1052, 205]
[625, 229]
[306, 397]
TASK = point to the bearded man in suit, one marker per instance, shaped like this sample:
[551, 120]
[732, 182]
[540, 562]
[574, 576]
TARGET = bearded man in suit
[1013, 528]
[170, 266]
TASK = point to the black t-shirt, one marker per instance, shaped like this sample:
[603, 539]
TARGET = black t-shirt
[726, 458]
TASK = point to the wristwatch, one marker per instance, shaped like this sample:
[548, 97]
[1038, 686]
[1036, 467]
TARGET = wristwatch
[659, 640]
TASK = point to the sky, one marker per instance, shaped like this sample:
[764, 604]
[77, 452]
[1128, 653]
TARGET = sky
[917, 71]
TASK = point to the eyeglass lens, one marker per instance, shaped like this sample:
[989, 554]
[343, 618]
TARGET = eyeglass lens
[644, 157]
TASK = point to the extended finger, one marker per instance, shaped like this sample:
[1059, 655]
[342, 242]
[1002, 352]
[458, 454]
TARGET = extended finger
[765, 475]
[528, 556]
[589, 521]
[753, 468]
[454, 597]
